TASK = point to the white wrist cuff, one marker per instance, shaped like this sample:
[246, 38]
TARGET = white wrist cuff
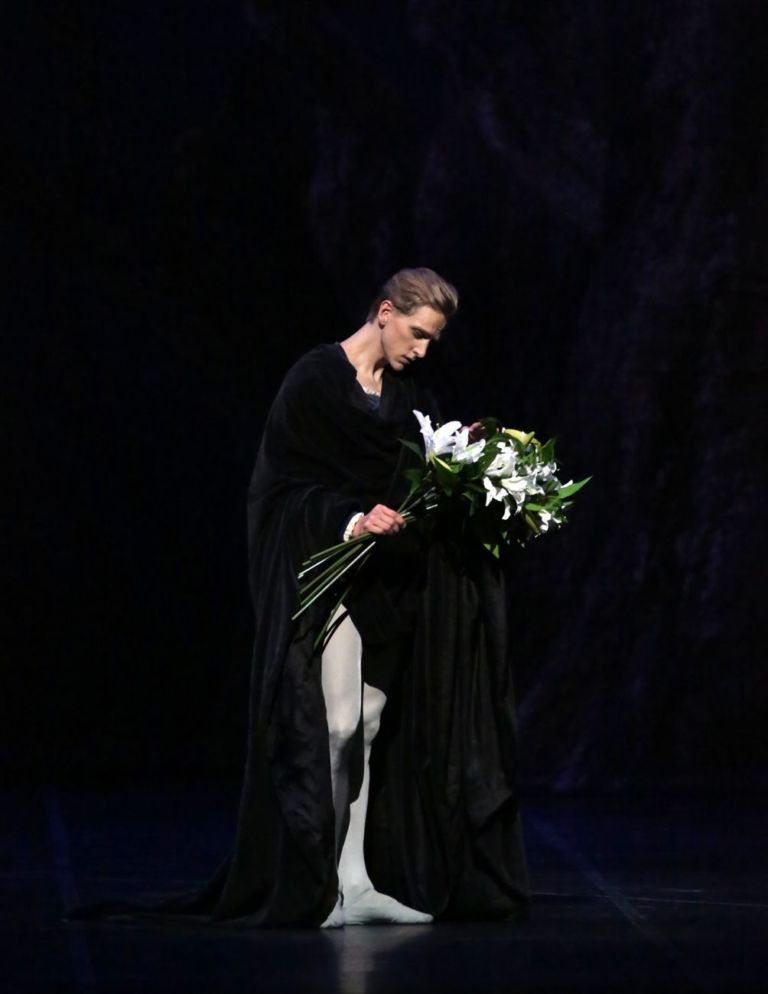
[351, 526]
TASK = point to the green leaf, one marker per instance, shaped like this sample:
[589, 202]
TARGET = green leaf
[446, 479]
[474, 488]
[532, 524]
[414, 448]
[415, 477]
[453, 467]
[491, 426]
[573, 488]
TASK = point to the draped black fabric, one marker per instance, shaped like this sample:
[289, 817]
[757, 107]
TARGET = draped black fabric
[443, 832]
[443, 828]
[324, 456]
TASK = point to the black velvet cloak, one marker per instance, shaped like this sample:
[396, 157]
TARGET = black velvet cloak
[443, 832]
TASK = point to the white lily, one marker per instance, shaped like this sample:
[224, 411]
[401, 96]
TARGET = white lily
[437, 441]
[532, 486]
[504, 463]
[546, 519]
[546, 472]
[517, 493]
[515, 484]
[492, 492]
[465, 451]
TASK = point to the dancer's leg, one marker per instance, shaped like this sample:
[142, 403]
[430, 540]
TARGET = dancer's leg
[342, 689]
[353, 875]
[362, 904]
[345, 698]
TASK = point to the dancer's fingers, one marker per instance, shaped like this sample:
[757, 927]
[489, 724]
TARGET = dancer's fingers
[381, 520]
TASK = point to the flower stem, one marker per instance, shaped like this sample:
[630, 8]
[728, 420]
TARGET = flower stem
[414, 500]
[318, 589]
[320, 640]
[323, 553]
[338, 559]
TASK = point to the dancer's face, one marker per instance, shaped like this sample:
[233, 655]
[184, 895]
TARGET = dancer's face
[406, 337]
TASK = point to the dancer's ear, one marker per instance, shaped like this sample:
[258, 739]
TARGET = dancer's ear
[385, 310]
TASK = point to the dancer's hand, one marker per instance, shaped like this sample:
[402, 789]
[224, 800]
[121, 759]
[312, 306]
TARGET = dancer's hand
[380, 520]
[476, 431]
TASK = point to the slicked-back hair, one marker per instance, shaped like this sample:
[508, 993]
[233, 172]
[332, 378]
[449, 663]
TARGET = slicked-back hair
[410, 289]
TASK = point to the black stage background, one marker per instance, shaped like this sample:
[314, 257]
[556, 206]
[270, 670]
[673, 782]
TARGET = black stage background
[201, 192]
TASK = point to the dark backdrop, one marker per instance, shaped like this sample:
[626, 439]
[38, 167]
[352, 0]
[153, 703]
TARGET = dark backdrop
[200, 192]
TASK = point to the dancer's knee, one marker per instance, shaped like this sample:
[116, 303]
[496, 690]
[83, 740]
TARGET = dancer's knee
[341, 731]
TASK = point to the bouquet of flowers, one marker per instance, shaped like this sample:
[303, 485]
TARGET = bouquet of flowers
[503, 487]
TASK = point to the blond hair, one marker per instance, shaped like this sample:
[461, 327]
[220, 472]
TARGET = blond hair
[410, 289]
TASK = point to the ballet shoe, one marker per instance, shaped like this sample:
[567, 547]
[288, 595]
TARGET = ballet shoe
[336, 917]
[368, 907]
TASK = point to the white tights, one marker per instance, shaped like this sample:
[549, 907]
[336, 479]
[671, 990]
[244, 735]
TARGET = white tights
[348, 699]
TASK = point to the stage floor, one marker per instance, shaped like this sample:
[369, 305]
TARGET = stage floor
[642, 894]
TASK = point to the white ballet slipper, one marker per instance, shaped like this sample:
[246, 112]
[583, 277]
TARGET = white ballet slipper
[371, 908]
[336, 919]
